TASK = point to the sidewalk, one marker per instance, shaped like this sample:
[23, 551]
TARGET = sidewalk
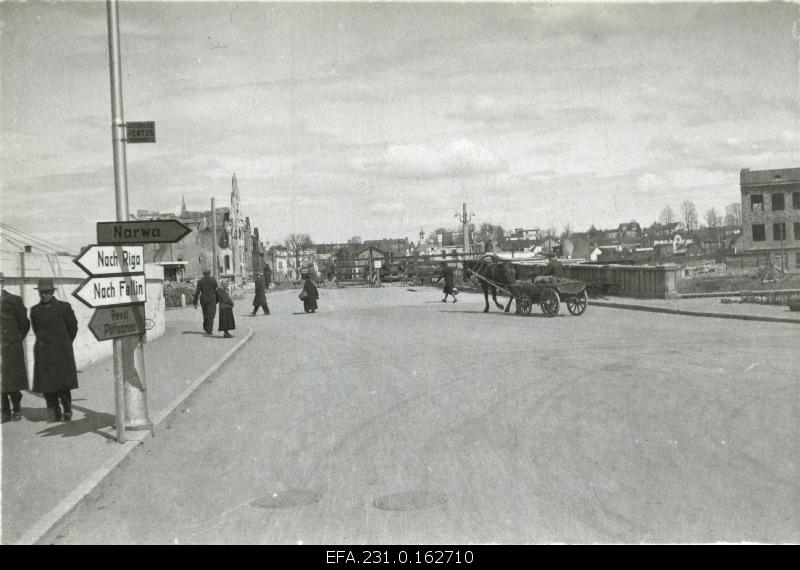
[704, 307]
[47, 469]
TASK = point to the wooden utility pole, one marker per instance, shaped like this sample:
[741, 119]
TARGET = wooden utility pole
[214, 263]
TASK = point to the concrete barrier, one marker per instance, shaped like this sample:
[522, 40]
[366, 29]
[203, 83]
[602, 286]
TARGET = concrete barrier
[21, 272]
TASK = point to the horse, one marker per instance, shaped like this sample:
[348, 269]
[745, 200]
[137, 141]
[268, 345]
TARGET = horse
[492, 268]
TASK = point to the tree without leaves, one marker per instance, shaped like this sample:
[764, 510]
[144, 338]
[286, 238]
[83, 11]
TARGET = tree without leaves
[667, 216]
[297, 244]
[490, 233]
[713, 220]
[733, 215]
[689, 215]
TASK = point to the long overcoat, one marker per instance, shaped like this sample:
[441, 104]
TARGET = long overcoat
[449, 280]
[261, 292]
[226, 321]
[14, 325]
[310, 302]
[55, 326]
[206, 290]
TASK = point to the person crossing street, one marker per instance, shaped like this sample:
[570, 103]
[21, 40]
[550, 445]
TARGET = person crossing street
[207, 293]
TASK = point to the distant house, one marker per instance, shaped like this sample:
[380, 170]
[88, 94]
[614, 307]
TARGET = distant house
[629, 233]
[392, 247]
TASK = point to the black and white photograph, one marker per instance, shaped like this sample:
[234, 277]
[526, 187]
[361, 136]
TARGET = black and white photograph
[399, 279]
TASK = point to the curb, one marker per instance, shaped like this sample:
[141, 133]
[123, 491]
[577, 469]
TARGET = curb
[694, 313]
[72, 501]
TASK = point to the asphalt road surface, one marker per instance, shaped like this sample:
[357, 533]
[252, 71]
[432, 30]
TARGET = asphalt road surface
[389, 417]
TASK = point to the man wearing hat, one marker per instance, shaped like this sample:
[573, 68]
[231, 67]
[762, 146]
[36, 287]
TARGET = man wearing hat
[260, 299]
[207, 292]
[15, 325]
[554, 267]
[54, 371]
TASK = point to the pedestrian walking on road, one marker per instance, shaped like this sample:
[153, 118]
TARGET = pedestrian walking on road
[54, 370]
[226, 321]
[14, 325]
[309, 295]
[207, 292]
[449, 282]
[260, 299]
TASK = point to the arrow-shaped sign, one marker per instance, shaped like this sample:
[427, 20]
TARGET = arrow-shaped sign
[111, 291]
[111, 259]
[115, 322]
[144, 231]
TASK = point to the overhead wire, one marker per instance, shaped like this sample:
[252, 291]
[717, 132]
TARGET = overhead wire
[33, 238]
[44, 245]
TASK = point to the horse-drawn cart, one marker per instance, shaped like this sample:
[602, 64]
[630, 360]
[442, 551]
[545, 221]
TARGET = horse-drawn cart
[548, 292]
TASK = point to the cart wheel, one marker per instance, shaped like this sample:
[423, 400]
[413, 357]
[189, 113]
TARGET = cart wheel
[524, 305]
[550, 302]
[577, 304]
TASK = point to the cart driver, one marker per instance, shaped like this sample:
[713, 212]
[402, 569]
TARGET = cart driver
[554, 266]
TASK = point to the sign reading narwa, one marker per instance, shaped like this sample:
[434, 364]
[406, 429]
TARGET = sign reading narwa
[110, 291]
[111, 259]
[115, 322]
[141, 132]
[145, 231]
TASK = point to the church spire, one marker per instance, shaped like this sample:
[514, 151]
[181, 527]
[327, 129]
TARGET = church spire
[183, 205]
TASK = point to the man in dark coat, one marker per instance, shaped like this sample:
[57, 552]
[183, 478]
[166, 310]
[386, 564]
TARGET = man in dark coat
[207, 292]
[310, 300]
[15, 325]
[449, 282]
[554, 267]
[261, 295]
[226, 322]
[54, 371]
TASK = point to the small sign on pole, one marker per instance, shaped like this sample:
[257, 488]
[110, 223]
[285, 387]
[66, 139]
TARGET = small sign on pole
[109, 323]
[140, 132]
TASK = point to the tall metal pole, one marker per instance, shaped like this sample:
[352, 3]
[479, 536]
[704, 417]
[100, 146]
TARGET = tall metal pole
[464, 219]
[129, 373]
[214, 241]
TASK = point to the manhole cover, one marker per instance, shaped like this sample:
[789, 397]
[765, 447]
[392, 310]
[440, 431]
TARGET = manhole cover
[410, 501]
[284, 499]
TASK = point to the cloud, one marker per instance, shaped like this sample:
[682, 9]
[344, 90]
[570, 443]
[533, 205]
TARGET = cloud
[460, 158]
[392, 208]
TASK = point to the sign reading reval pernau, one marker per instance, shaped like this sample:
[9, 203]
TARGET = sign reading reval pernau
[114, 290]
[140, 132]
[143, 231]
[115, 322]
[111, 259]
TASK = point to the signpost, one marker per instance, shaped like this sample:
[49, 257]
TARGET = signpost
[145, 231]
[111, 260]
[140, 132]
[111, 290]
[109, 323]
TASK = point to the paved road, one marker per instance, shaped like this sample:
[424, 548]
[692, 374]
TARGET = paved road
[617, 426]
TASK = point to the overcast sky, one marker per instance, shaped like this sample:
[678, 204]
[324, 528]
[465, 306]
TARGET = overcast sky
[379, 119]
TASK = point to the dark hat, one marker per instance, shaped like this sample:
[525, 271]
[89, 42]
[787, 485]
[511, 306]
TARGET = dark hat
[206, 272]
[45, 284]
